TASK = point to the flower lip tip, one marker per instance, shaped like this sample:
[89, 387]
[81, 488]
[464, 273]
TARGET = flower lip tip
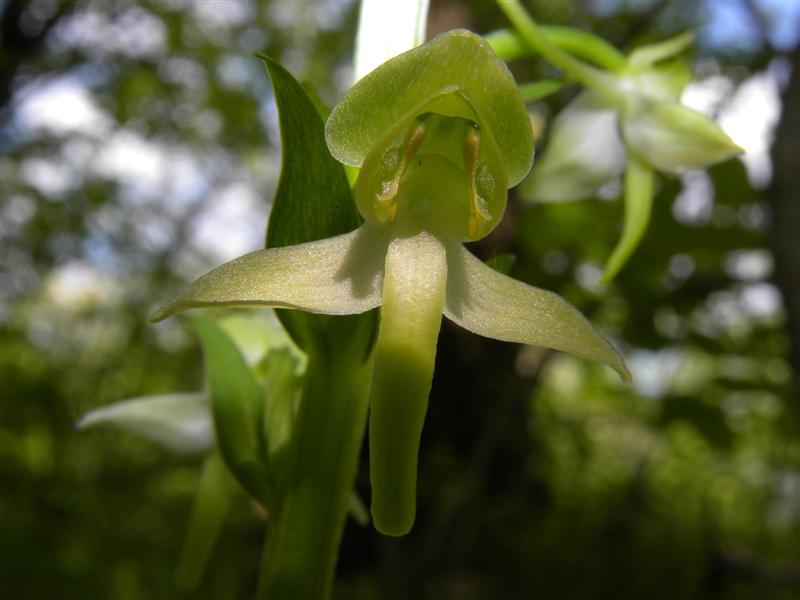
[391, 527]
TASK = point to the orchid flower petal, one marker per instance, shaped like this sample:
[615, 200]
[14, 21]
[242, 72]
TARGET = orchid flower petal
[638, 202]
[335, 276]
[671, 137]
[584, 152]
[180, 423]
[411, 315]
[492, 305]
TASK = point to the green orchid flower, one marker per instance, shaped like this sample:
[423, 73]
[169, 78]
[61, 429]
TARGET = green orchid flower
[440, 134]
[629, 119]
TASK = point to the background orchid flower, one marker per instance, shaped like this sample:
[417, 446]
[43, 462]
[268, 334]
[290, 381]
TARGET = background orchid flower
[252, 370]
[629, 119]
[440, 133]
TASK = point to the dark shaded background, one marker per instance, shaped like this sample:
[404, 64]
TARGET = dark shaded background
[139, 148]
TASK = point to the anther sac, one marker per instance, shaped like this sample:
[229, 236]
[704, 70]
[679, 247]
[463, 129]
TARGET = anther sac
[441, 172]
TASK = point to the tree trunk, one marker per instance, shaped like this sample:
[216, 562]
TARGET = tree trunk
[784, 196]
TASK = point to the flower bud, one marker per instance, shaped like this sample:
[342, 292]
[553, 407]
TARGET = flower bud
[672, 138]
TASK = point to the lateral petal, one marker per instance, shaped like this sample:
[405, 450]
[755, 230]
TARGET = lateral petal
[672, 138]
[180, 423]
[335, 276]
[490, 304]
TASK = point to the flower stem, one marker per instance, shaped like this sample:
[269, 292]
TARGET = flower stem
[599, 81]
[510, 45]
[305, 530]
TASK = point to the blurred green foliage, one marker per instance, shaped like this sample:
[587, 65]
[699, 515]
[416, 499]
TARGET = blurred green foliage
[541, 475]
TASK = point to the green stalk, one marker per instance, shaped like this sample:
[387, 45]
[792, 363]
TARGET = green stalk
[601, 82]
[509, 45]
[302, 542]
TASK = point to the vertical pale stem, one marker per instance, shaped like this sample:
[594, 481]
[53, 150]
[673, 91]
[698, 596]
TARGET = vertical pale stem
[411, 314]
[305, 530]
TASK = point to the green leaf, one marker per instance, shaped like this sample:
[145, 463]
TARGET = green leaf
[493, 305]
[237, 403]
[335, 276]
[313, 199]
[281, 393]
[180, 423]
[456, 75]
[413, 299]
[208, 513]
[638, 202]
